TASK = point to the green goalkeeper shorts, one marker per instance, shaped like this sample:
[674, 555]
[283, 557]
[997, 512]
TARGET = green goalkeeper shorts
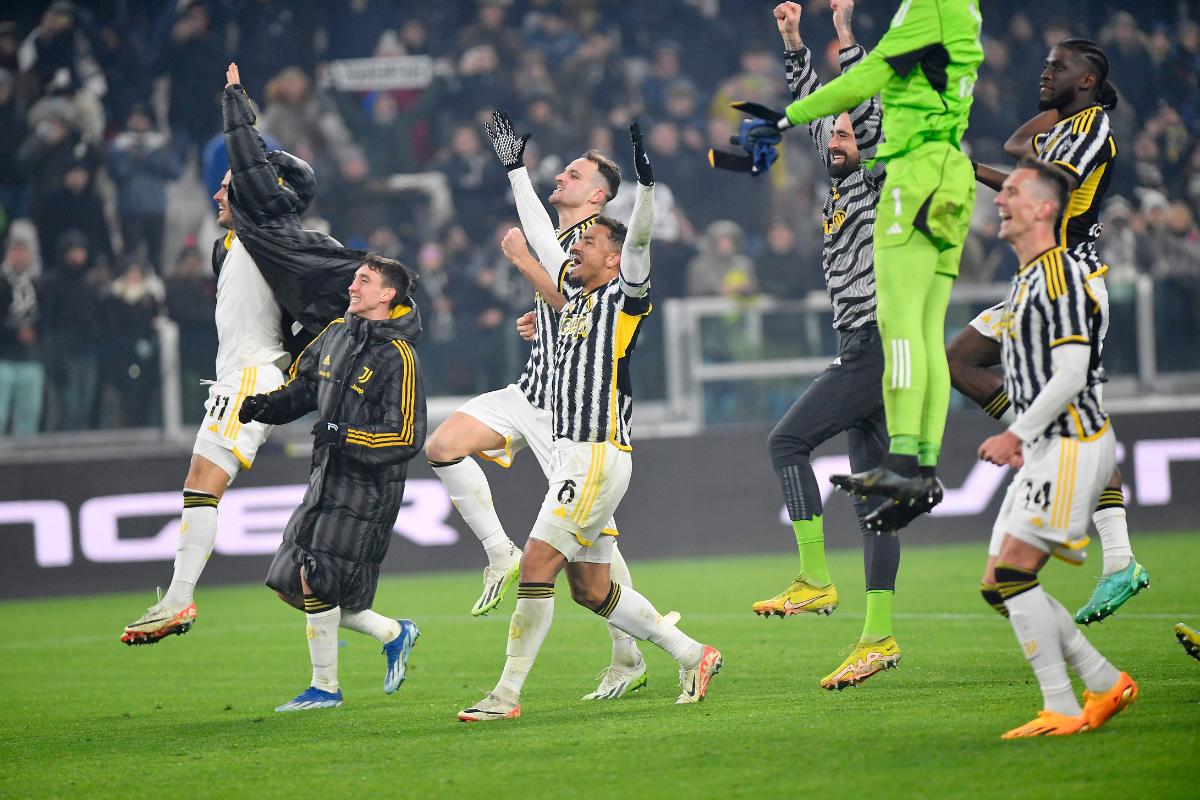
[931, 190]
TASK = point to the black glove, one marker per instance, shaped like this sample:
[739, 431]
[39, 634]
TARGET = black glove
[254, 407]
[506, 143]
[641, 161]
[326, 434]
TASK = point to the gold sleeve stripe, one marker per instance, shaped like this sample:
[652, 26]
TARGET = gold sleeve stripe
[1069, 167]
[1068, 340]
[408, 399]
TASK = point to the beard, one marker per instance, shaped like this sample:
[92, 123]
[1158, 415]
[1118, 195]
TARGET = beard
[572, 280]
[1060, 100]
[848, 167]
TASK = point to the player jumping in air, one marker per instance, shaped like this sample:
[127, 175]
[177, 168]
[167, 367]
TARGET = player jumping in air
[847, 396]
[924, 69]
[500, 424]
[607, 298]
[267, 293]
[1062, 445]
[1073, 133]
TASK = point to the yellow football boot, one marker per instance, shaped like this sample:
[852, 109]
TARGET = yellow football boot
[799, 598]
[1189, 639]
[865, 659]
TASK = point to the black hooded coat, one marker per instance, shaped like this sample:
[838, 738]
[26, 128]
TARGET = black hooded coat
[309, 272]
[364, 376]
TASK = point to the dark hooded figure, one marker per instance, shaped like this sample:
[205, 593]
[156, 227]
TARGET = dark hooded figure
[308, 271]
[362, 376]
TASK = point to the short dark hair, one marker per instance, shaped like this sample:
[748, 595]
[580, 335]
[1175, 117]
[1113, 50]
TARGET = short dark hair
[393, 274]
[616, 230]
[608, 170]
[1052, 177]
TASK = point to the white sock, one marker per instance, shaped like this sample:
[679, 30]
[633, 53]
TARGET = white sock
[471, 495]
[1033, 620]
[323, 647]
[1091, 667]
[636, 616]
[1114, 538]
[526, 631]
[197, 534]
[1008, 417]
[625, 651]
[372, 624]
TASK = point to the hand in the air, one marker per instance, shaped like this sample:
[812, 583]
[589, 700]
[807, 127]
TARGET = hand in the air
[232, 76]
[641, 161]
[513, 245]
[508, 146]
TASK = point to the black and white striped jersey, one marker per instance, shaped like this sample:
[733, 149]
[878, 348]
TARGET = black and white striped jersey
[593, 393]
[849, 211]
[535, 378]
[1050, 304]
[1083, 145]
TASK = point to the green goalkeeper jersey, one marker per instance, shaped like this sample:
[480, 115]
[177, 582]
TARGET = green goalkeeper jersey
[924, 70]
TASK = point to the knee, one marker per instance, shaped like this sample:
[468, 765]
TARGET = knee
[439, 447]
[591, 595]
[786, 447]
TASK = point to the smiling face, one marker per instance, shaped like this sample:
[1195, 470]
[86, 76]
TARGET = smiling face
[843, 148]
[594, 258]
[1065, 76]
[1024, 206]
[369, 298]
[221, 198]
[578, 185]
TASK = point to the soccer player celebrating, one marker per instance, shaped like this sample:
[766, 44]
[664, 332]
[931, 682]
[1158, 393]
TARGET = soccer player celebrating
[924, 68]
[1071, 132]
[848, 395]
[251, 356]
[591, 399]
[499, 424]
[1062, 444]
[363, 378]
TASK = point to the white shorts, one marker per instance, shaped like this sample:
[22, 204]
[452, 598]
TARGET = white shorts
[587, 482]
[1051, 498]
[509, 413]
[222, 439]
[988, 320]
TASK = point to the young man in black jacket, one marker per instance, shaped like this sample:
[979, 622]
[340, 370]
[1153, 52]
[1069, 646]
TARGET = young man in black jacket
[362, 376]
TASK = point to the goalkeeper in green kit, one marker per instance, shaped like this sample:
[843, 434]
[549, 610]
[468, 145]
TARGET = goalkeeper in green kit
[924, 69]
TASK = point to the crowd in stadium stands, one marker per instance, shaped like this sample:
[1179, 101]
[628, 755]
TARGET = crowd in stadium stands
[109, 113]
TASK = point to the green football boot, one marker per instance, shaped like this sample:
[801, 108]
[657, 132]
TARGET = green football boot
[1111, 593]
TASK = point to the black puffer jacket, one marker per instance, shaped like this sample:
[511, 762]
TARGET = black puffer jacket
[363, 375]
[308, 271]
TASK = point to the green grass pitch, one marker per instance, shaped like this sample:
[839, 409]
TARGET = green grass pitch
[82, 715]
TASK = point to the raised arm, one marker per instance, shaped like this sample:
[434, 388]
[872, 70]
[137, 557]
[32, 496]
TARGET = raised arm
[255, 183]
[635, 253]
[539, 229]
[1021, 143]
[915, 28]
[516, 250]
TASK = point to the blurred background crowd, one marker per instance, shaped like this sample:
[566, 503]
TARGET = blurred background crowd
[111, 146]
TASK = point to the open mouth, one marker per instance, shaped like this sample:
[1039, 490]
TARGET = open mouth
[837, 158]
[576, 260]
